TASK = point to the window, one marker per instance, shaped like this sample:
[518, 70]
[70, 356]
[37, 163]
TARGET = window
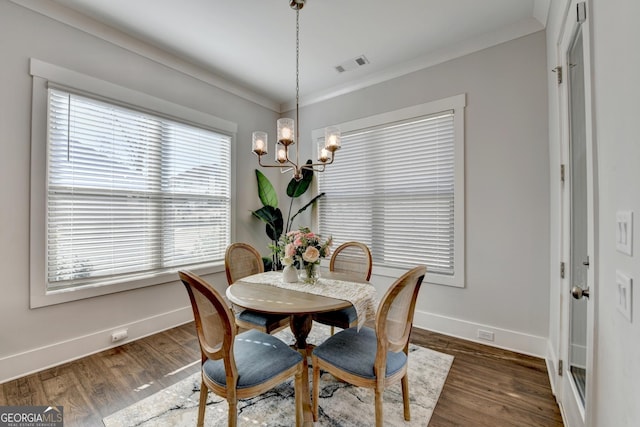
[397, 186]
[129, 195]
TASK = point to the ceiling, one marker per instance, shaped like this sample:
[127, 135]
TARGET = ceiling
[251, 43]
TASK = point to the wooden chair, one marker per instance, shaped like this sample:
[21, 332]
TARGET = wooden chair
[352, 258]
[237, 366]
[374, 358]
[242, 260]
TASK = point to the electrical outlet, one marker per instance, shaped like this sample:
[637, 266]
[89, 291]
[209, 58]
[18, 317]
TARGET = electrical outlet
[119, 335]
[485, 335]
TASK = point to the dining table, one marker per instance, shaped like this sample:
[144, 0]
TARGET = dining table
[268, 293]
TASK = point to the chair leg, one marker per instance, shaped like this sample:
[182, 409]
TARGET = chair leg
[379, 412]
[204, 393]
[299, 388]
[316, 386]
[332, 330]
[233, 412]
[405, 397]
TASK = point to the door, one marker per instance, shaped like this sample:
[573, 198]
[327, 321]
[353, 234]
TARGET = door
[578, 222]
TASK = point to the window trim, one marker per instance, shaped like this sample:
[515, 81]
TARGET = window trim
[457, 103]
[45, 74]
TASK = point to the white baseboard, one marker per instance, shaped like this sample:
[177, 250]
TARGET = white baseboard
[503, 338]
[25, 363]
[28, 362]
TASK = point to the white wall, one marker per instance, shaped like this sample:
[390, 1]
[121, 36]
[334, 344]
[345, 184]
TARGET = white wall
[507, 187]
[616, 90]
[34, 339]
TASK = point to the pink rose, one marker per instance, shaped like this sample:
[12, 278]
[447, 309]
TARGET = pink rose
[290, 250]
[311, 254]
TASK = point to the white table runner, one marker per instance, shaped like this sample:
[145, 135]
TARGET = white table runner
[361, 295]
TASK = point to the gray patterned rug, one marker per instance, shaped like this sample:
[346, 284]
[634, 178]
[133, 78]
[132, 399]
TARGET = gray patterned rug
[340, 404]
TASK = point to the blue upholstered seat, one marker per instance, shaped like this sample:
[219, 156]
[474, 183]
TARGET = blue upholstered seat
[345, 316]
[262, 320]
[253, 361]
[354, 351]
[360, 357]
[242, 260]
[353, 258]
[258, 356]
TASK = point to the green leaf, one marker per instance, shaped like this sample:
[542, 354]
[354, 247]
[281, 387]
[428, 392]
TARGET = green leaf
[274, 229]
[268, 214]
[302, 209]
[268, 263]
[272, 217]
[266, 192]
[298, 188]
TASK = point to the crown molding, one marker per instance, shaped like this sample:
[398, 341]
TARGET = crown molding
[494, 38]
[90, 26]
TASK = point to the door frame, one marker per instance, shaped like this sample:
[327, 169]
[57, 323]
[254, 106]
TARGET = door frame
[573, 413]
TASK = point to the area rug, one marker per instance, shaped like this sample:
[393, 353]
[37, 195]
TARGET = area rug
[340, 404]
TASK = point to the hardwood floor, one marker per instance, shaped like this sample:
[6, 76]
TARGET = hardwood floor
[485, 387]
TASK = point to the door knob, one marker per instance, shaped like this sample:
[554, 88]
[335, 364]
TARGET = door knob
[578, 292]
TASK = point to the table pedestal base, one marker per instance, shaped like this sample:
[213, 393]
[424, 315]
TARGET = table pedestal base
[301, 326]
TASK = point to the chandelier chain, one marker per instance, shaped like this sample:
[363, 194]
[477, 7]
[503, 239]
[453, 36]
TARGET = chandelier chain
[288, 130]
[297, 72]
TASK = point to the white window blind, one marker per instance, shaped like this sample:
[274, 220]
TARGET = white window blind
[392, 187]
[131, 194]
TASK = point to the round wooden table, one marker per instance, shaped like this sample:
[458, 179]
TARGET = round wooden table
[300, 306]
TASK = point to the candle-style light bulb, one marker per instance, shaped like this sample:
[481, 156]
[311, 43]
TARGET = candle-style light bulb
[332, 138]
[281, 155]
[286, 128]
[259, 142]
[324, 155]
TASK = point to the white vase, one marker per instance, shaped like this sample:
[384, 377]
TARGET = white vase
[289, 274]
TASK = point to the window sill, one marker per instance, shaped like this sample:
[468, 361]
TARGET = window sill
[42, 297]
[395, 272]
[431, 278]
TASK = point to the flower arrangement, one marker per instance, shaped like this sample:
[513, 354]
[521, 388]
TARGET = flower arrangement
[304, 247]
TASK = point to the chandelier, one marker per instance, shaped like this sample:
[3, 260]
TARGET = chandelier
[288, 130]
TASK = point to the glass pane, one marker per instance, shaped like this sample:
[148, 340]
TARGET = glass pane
[368, 198]
[131, 193]
[579, 254]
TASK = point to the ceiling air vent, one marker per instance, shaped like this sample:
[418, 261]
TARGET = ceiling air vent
[352, 64]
